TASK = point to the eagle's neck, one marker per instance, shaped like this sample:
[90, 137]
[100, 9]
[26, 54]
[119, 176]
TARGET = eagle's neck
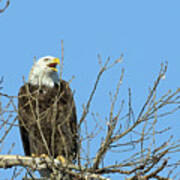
[42, 78]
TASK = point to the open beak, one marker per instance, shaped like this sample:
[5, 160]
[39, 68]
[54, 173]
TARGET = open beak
[53, 64]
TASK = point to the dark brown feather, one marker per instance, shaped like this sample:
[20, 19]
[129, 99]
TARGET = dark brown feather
[47, 119]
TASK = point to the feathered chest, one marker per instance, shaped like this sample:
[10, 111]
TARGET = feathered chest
[43, 103]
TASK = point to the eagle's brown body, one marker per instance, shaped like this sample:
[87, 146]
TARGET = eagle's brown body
[47, 119]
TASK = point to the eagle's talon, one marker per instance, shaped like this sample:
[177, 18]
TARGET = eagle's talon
[62, 159]
[34, 155]
[39, 156]
[44, 156]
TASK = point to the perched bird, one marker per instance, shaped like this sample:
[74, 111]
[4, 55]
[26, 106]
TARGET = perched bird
[47, 114]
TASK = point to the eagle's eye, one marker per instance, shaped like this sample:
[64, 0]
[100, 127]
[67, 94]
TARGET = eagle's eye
[46, 59]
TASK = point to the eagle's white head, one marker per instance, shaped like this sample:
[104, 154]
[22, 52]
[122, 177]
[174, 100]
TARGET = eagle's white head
[44, 72]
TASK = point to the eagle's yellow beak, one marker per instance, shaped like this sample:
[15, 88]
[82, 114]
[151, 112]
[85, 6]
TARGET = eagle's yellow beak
[54, 63]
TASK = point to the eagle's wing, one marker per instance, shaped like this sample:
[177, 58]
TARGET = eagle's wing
[66, 97]
[22, 117]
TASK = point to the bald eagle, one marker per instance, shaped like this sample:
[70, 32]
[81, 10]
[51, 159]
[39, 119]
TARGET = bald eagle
[47, 114]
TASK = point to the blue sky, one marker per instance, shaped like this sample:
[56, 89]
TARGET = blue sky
[146, 32]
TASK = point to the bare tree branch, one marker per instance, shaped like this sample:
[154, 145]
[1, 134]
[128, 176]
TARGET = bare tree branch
[122, 132]
[6, 6]
[7, 161]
